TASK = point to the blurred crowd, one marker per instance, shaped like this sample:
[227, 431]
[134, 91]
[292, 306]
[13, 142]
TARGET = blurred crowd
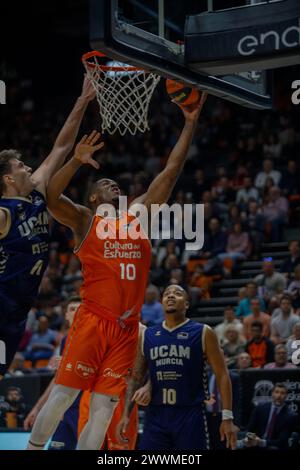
[242, 166]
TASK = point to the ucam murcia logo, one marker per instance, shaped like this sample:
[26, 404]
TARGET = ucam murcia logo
[84, 370]
[182, 335]
[2, 92]
[69, 367]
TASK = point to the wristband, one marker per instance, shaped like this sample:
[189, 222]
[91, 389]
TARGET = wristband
[226, 414]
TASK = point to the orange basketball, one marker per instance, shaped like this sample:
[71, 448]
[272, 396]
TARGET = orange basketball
[181, 93]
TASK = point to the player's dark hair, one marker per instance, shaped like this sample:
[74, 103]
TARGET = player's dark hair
[286, 297]
[280, 385]
[5, 165]
[228, 307]
[251, 283]
[73, 299]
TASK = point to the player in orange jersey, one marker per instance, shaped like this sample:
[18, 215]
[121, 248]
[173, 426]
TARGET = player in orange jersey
[102, 342]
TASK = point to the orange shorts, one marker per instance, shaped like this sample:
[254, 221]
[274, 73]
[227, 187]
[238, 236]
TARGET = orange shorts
[99, 354]
[111, 442]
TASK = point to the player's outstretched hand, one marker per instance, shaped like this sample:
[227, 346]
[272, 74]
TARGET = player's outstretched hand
[228, 431]
[86, 148]
[192, 112]
[88, 92]
[30, 419]
[143, 395]
[121, 429]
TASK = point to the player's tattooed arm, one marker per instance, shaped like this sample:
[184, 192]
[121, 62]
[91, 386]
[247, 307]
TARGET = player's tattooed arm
[66, 138]
[136, 380]
[162, 186]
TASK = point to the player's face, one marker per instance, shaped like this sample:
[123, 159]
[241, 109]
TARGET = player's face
[20, 176]
[107, 192]
[71, 310]
[174, 300]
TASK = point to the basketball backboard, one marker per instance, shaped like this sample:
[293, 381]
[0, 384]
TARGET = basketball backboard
[152, 34]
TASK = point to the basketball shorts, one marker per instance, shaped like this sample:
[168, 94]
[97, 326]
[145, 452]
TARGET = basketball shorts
[99, 354]
[175, 428]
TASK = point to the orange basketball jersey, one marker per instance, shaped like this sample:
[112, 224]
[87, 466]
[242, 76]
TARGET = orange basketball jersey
[115, 266]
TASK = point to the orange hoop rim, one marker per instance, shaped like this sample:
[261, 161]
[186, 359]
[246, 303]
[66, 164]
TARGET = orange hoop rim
[106, 68]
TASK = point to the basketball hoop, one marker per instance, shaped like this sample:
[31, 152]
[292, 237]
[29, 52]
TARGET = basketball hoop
[123, 93]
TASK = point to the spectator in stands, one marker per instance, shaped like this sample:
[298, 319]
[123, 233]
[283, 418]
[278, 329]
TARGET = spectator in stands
[294, 290]
[291, 347]
[238, 246]
[157, 273]
[244, 361]
[199, 185]
[246, 194]
[223, 194]
[290, 182]
[260, 348]
[215, 241]
[271, 282]
[72, 274]
[280, 359]
[42, 344]
[233, 217]
[268, 185]
[283, 321]
[13, 410]
[273, 147]
[49, 295]
[244, 308]
[242, 294]
[165, 249]
[210, 207]
[229, 319]
[256, 316]
[238, 180]
[271, 424]
[267, 172]
[255, 226]
[233, 345]
[152, 311]
[275, 211]
[200, 285]
[289, 264]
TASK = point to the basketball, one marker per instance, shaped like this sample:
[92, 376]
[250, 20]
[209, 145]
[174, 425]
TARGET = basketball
[181, 93]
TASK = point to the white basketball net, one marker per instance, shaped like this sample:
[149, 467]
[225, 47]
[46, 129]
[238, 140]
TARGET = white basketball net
[123, 94]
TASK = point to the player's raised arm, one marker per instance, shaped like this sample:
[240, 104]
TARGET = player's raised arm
[136, 381]
[62, 208]
[162, 186]
[215, 358]
[65, 139]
